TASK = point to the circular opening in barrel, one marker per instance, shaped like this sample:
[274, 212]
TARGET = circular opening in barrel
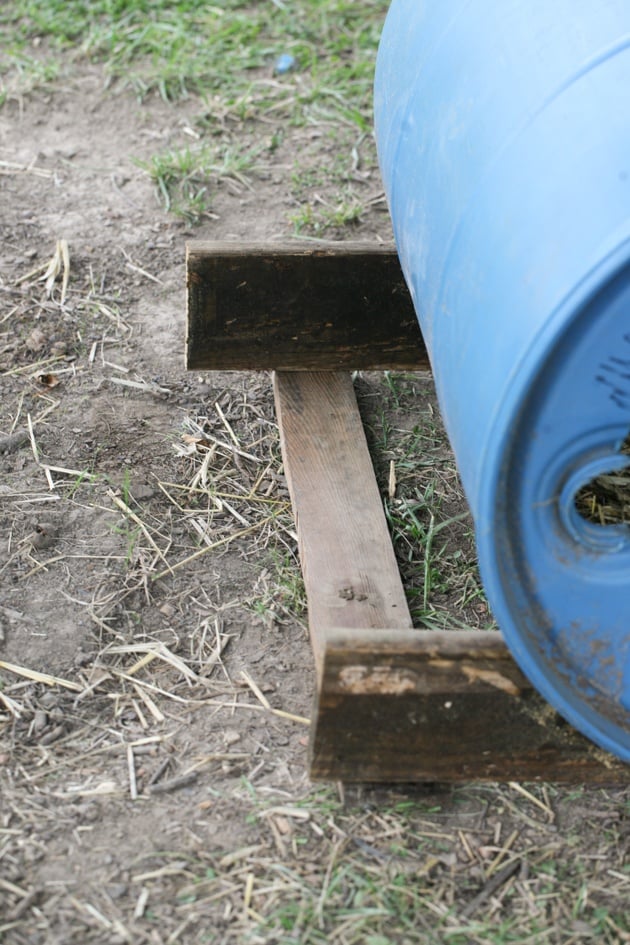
[605, 499]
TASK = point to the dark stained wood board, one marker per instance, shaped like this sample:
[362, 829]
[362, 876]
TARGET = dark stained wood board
[420, 705]
[348, 563]
[299, 307]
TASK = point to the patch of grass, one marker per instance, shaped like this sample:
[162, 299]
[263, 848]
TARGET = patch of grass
[280, 591]
[415, 529]
[331, 195]
[431, 534]
[224, 54]
[183, 47]
[25, 72]
[319, 216]
[343, 896]
[130, 535]
[184, 177]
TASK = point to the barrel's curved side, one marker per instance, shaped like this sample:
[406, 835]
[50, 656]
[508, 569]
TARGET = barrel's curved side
[504, 143]
[489, 141]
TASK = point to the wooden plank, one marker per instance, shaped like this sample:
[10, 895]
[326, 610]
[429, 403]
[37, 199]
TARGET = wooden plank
[426, 706]
[297, 307]
[400, 704]
[349, 567]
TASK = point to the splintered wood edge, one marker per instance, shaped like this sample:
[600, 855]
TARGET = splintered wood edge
[418, 705]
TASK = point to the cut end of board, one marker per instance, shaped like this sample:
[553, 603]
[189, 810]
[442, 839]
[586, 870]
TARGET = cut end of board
[290, 307]
[414, 705]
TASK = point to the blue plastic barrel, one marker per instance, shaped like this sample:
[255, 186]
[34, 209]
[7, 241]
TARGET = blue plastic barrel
[503, 132]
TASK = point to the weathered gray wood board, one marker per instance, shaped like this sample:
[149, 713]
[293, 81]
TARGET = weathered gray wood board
[349, 566]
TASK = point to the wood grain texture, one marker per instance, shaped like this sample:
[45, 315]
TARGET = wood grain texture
[424, 706]
[394, 703]
[348, 563]
[296, 307]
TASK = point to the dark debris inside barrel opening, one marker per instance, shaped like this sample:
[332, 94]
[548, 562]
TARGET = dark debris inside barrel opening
[605, 500]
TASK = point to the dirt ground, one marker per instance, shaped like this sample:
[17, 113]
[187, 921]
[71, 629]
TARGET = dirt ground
[147, 792]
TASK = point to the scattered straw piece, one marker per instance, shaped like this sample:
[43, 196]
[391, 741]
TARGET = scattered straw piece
[134, 518]
[174, 784]
[203, 438]
[36, 676]
[141, 717]
[12, 888]
[237, 855]
[131, 767]
[150, 704]
[32, 439]
[83, 473]
[239, 518]
[391, 486]
[247, 895]
[65, 258]
[41, 566]
[217, 544]
[515, 786]
[290, 716]
[138, 269]
[141, 663]
[59, 264]
[502, 854]
[466, 845]
[97, 677]
[141, 904]
[11, 167]
[14, 707]
[280, 713]
[154, 651]
[160, 873]
[32, 369]
[227, 426]
[220, 756]
[254, 688]
[282, 810]
[91, 910]
[152, 688]
[146, 386]
[151, 740]
[99, 790]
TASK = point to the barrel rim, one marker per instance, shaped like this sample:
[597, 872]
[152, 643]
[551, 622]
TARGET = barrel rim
[494, 541]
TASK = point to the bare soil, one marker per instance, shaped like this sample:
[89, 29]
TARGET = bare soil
[123, 320]
[148, 794]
